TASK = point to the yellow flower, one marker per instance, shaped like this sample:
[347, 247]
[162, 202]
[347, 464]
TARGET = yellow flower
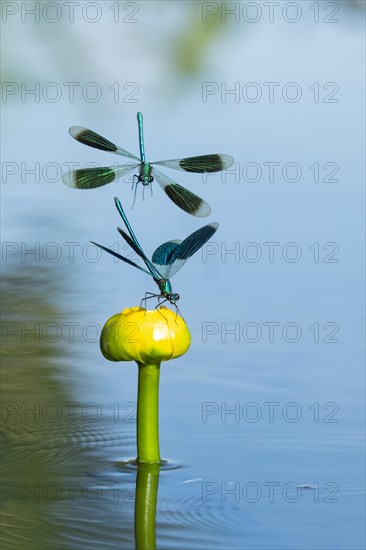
[145, 336]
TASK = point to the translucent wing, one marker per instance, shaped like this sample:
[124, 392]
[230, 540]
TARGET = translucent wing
[161, 255]
[123, 258]
[122, 213]
[152, 269]
[90, 178]
[186, 200]
[92, 139]
[184, 250]
[133, 242]
[204, 163]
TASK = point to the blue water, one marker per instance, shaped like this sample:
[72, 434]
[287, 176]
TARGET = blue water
[262, 421]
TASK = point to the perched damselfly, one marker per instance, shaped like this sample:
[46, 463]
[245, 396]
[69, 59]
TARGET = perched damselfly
[167, 259]
[90, 178]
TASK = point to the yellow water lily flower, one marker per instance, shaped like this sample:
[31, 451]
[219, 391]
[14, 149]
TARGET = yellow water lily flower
[145, 336]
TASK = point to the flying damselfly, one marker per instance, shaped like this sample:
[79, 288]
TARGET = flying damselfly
[90, 178]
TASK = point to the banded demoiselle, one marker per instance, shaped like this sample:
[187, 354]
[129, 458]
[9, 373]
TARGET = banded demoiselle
[90, 178]
[167, 259]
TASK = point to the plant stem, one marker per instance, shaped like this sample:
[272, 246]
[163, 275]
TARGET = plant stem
[148, 413]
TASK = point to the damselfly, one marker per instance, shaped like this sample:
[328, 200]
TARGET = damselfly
[90, 178]
[167, 259]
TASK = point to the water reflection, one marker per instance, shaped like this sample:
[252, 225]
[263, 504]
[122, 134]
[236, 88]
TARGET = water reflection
[32, 440]
[50, 446]
[147, 483]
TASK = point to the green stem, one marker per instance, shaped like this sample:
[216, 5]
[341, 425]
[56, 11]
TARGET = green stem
[148, 413]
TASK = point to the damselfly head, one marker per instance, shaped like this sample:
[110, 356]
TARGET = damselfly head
[147, 180]
[173, 297]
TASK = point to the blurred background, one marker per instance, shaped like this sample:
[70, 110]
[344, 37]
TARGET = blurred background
[263, 418]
